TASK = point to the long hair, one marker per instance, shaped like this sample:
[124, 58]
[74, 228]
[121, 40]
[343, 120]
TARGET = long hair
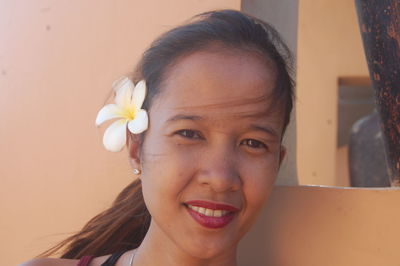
[118, 228]
[123, 226]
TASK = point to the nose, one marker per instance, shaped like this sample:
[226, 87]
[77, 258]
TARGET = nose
[219, 170]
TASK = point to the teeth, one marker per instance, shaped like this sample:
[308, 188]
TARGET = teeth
[208, 212]
[202, 210]
[217, 213]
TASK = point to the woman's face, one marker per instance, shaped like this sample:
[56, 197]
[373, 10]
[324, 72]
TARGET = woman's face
[212, 151]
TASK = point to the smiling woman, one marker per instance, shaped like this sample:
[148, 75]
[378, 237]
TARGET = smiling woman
[219, 97]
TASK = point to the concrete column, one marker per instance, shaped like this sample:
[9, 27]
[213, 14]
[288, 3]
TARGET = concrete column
[283, 15]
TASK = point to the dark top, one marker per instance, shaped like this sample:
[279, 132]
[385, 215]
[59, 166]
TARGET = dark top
[111, 261]
[85, 260]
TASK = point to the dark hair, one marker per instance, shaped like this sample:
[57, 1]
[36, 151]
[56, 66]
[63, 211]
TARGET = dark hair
[124, 225]
[232, 29]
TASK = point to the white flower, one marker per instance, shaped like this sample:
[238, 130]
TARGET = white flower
[128, 103]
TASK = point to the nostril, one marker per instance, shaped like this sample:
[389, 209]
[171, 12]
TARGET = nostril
[220, 179]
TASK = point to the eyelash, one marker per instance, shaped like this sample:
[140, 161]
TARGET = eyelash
[194, 134]
[254, 144]
[189, 134]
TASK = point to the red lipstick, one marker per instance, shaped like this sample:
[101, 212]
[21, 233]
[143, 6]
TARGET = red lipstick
[210, 221]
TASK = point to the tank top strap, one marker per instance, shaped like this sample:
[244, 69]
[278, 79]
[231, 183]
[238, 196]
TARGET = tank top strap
[113, 259]
[85, 260]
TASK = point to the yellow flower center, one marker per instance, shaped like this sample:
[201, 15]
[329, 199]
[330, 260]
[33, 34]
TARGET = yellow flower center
[129, 112]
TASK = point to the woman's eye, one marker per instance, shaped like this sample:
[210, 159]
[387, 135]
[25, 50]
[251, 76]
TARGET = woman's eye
[189, 134]
[252, 143]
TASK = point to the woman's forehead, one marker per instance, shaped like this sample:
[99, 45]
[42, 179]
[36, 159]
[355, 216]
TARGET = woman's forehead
[218, 87]
[218, 79]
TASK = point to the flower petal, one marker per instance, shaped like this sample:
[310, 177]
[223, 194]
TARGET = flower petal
[114, 138]
[123, 92]
[140, 123]
[116, 82]
[138, 95]
[108, 111]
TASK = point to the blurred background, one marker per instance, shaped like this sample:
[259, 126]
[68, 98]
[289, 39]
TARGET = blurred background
[58, 60]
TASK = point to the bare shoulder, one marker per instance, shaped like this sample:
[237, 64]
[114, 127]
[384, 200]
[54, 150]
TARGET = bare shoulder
[62, 262]
[50, 262]
[71, 262]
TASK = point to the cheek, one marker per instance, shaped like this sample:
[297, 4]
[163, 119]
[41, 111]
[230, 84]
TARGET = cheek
[258, 181]
[166, 172]
[257, 193]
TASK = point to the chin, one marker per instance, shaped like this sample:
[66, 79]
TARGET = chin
[210, 249]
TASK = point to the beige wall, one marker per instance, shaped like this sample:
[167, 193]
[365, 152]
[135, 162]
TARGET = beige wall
[322, 226]
[57, 62]
[282, 15]
[329, 46]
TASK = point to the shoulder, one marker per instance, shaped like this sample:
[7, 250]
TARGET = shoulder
[50, 262]
[61, 262]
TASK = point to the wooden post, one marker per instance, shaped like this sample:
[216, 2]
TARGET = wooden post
[379, 22]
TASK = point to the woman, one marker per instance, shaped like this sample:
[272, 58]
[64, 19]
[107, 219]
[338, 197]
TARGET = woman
[206, 146]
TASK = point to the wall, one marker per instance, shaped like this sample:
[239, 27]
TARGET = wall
[57, 62]
[324, 36]
[283, 16]
[314, 226]
[329, 46]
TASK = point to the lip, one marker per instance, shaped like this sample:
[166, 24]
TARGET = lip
[208, 221]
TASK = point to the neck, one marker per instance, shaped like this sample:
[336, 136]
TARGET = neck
[158, 249]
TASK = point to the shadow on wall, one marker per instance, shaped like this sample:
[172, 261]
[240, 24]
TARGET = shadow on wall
[359, 135]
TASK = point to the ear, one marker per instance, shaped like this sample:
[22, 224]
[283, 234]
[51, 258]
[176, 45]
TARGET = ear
[282, 154]
[133, 144]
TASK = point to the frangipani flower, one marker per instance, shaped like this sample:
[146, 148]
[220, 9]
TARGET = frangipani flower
[128, 103]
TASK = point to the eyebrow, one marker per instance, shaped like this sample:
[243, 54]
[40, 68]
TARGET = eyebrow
[185, 117]
[267, 129]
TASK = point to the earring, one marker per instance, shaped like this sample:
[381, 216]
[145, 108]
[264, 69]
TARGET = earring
[136, 171]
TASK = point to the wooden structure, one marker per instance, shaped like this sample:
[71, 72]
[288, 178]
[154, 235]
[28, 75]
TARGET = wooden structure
[380, 28]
